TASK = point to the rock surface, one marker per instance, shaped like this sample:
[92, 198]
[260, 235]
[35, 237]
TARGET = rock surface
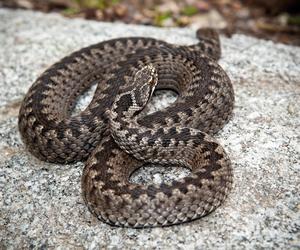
[40, 203]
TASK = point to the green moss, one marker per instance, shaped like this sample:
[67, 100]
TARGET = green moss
[70, 11]
[189, 10]
[115, 1]
[295, 20]
[96, 4]
[161, 16]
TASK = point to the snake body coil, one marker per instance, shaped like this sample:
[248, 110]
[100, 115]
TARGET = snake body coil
[116, 138]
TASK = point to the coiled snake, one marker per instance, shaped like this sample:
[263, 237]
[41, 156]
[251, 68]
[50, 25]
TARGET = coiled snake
[116, 138]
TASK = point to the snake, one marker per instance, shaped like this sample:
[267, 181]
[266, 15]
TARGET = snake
[114, 135]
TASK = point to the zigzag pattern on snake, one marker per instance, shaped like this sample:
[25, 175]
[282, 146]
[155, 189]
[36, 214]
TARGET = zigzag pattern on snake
[116, 137]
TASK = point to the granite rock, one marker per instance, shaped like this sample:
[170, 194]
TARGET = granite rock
[40, 203]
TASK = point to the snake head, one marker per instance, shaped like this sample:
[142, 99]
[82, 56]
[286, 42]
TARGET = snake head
[145, 81]
[129, 103]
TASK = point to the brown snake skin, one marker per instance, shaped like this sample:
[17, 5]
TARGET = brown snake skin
[116, 138]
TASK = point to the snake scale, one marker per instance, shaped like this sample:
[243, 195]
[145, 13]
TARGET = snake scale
[115, 137]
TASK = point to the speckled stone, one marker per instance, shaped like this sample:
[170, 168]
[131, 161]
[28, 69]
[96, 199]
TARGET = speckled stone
[40, 203]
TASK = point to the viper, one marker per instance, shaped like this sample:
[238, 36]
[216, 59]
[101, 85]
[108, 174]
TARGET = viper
[115, 137]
